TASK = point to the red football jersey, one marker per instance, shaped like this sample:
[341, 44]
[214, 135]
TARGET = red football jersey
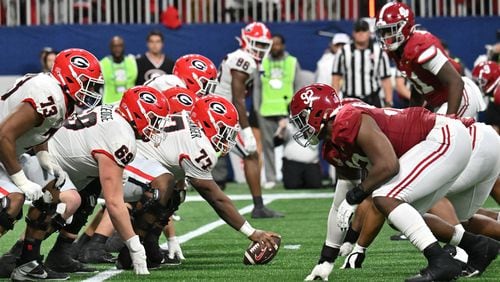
[404, 128]
[420, 48]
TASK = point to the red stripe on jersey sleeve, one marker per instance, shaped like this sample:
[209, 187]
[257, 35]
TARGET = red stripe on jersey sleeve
[139, 172]
[4, 192]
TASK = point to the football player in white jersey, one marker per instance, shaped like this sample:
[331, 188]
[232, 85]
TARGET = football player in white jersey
[99, 143]
[191, 152]
[236, 72]
[30, 113]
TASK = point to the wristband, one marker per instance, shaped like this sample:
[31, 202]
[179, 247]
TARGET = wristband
[19, 178]
[247, 229]
[356, 195]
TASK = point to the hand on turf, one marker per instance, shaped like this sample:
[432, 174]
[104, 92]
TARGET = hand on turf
[320, 271]
[174, 248]
[264, 236]
[344, 215]
[354, 260]
[138, 255]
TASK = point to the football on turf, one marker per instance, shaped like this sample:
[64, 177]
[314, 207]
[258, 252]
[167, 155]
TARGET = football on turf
[258, 253]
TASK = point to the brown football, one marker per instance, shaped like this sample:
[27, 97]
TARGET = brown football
[257, 253]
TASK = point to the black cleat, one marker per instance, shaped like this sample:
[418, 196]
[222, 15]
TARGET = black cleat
[60, 260]
[95, 252]
[8, 260]
[114, 244]
[481, 255]
[124, 261]
[34, 270]
[169, 261]
[440, 268]
[265, 212]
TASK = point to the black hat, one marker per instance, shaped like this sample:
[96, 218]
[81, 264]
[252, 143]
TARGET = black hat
[361, 25]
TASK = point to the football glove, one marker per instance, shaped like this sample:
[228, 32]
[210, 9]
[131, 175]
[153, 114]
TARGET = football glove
[344, 215]
[174, 248]
[321, 271]
[138, 255]
[249, 140]
[52, 167]
[31, 190]
[354, 260]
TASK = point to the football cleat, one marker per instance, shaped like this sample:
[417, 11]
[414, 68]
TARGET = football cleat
[95, 252]
[60, 260]
[481, 255]
[8, 260]
[441, 268]
[35, 270]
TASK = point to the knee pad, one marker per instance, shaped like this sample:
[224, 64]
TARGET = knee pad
[82, 213]
[6, 220]
[39, 215]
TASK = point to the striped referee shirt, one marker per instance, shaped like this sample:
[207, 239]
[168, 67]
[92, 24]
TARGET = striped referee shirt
[361, 69]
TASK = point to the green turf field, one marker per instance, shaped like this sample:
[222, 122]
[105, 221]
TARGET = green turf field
[218, 254]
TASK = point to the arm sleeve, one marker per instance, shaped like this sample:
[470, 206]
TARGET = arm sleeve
[432, 59]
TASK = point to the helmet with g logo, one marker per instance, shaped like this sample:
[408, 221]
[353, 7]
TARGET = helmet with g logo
[198, 73]
[180, 99]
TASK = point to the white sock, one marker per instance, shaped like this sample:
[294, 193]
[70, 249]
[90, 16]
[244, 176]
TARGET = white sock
[358, 249]
[411, 223]
[457, 235]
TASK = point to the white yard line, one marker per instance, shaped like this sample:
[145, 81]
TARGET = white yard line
[211, 226]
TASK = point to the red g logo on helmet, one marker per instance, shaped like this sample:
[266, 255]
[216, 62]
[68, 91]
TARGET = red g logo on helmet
[79, 62]
[147, 97]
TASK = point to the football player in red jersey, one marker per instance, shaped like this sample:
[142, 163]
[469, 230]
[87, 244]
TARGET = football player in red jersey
[404, 152]
[420, 57]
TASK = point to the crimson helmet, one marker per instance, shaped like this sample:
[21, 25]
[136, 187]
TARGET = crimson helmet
[487, 75]
[256, 40]
[146, 109]
[310, 109]
[180, 99]
[219, 120]
[198, 73]
[79, 73]
[394, 25]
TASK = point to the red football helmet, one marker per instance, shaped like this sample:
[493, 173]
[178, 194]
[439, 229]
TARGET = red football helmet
[146, 109]
[256, 40]
[79, 73]
[180, 99]
[219, 120]
[310, 109]
[198, 73]
[487, 75]
[394, 25]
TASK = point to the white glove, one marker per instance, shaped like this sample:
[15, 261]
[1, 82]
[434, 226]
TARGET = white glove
[321, 271]
[138, 255]
[31, 190]
[174, 248]
[344, 215]
[52, 167]
[346, 249]
[249, 140]
[354, 260]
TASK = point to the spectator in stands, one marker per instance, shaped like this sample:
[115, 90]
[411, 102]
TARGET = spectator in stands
[154, 62]
[324, 65]
[119, 71]
[301, 168]
[278, 82]
[47, 58]
[363, 68]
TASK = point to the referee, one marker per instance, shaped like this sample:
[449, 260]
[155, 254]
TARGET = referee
[363, 68]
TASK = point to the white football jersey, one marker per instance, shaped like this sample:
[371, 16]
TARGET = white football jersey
[237, 60]
[44, 93]
[101, 130]
[186, 151]
[165, 82]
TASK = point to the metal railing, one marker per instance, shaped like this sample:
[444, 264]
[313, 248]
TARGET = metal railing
[44, 12]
